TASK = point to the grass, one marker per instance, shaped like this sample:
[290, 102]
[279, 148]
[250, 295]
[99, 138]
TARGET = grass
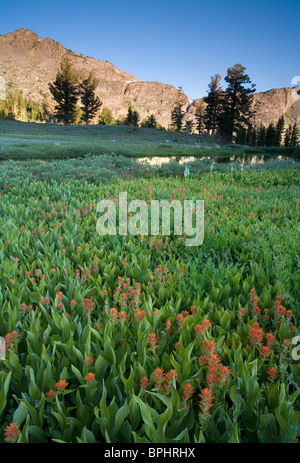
[24, 141]
[73, 371]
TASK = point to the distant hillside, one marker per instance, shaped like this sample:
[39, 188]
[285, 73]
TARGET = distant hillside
[32, 62]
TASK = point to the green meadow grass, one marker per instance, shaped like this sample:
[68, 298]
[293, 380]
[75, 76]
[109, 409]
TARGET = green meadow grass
[21, 141]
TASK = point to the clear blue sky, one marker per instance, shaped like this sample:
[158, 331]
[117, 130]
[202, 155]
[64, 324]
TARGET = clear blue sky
[174, 42]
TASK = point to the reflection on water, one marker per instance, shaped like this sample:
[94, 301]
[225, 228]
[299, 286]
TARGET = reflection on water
[244, 159]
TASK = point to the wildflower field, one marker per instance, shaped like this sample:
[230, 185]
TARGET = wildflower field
[141, 339]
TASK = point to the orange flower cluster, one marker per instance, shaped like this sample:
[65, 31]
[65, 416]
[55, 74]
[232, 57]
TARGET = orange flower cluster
[88, 306]
[127, 296]
[11, 433]
[217, 374]
[256, 335]
[144, 382]
[116, 316]
[153, 340]
[188, 392]
[205, 402]
[272, 373]
[61, 385]
[202, 329]
[164, 381]
[139, 315]
[11, 341]
[90, 377]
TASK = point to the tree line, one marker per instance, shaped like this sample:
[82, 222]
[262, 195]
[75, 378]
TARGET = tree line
[226, 114]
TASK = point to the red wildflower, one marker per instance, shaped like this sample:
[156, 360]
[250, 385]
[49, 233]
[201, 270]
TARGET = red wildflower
[272, 373]
[159, 378]
[139, 315]
[90, 377]
[170, 376]
[241, 314]
[265, 352]
[255, 335]
[88, 306]
[152, 340]
[144, 382]
[11, 432]
[206, 401]
[50, 394]
[61, 385]
[270, 340]
[180, 319]
[188, 392]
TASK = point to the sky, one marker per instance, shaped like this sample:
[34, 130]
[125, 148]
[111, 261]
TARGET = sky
[173, 42]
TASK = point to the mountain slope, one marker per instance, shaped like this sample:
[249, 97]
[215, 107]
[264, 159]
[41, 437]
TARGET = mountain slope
[32, 62]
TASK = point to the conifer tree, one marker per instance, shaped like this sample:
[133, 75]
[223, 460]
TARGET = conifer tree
[213, 101]
[199, 114]
[135, 118]
[150, 122]
[241, 136]
[271, 135]
[261, 136]
[237, 102]
[279, 131]
[90, 102]
[177, 112]
[295, 135]
[106, 117]
[288, 135]
[254, 137]
[65, 91]
[129, 119]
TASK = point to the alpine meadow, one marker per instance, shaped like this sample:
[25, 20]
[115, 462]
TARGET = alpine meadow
[149, 242]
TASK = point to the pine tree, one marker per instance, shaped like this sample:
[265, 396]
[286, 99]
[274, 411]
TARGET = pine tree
[241, 136]
[295, 135]
[65, 91]
[261, 136]
[177, 112]
[249, 134]
[254, 137]
[90, 102]
[135, 118]
[188, 126]
[199, 114]
[150, 122]
[106, 117]
[288, 135]
[129, 120]
[279, 131]
[271, 135]
[213, 101]
[237, 102]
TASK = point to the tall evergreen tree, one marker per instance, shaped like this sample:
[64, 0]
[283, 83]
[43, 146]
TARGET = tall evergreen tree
[237, 102]
[129, 119]
[288, 135]
[177, 112]
[241, 136]
[150, 122]
[135, 118]
[106, 117]
[199, 114]
[261, 136]
[295, 135]
[271, 135]
[280, 130]
[90, 102]
[65, 91]
[213, 101]
[254, 137]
